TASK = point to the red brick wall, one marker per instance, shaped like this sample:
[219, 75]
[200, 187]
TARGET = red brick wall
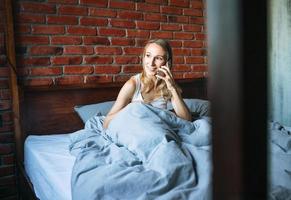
[7, 153]
[85, 41]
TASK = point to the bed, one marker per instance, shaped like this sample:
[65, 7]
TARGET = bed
[52, 116]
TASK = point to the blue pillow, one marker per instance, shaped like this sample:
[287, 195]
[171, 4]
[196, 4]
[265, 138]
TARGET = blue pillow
[198, 107]
[87, 111]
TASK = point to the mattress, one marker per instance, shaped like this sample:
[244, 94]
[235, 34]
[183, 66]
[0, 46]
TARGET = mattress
[48, 164]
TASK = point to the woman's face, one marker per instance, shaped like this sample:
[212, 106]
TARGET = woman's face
[154, 58]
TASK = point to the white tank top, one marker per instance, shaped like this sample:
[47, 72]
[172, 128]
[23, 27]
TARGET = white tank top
[159, 102]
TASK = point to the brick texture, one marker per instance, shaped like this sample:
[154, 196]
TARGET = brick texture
[8, 188]
[77, 40]
[88, 41]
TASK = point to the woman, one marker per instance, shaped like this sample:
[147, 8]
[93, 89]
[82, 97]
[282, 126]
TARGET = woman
[155, 85]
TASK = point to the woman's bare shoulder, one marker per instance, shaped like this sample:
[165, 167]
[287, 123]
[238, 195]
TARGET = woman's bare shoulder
[129, 85]
[131, 82]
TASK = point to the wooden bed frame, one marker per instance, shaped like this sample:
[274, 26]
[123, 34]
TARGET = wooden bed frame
[43, 111]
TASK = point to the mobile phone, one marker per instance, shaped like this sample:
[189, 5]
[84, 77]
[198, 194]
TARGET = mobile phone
[167, 64]
[160, 73]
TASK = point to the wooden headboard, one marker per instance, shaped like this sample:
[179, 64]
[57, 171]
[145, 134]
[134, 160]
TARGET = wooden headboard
[49, 110]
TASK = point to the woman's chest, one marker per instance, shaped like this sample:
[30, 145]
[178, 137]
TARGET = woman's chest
[150, 96]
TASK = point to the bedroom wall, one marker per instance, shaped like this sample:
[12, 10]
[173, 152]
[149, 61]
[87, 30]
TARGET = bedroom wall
[7, 166]
[280, 61]
[78, 42]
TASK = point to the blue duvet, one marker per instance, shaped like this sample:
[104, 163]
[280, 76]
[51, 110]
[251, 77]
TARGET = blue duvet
[146, 153]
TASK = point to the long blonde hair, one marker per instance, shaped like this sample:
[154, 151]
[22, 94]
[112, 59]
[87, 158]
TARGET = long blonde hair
[159, 85]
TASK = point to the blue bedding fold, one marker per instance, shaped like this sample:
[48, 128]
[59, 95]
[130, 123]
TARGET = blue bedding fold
[146, 153]
[280, 162]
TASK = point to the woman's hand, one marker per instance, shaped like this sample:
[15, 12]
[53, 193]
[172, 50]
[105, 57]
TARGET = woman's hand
[178, 103]
[165, 74]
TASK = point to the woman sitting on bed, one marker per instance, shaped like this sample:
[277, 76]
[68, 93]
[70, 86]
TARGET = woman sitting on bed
[155, 85]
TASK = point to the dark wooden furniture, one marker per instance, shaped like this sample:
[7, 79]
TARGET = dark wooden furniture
[44, 109]
[237, 36]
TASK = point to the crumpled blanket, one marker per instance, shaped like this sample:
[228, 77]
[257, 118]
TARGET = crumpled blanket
[145, 153]
[280, 161]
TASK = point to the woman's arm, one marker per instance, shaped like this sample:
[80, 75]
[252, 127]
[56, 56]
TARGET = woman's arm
[124, 97]
[178, 103]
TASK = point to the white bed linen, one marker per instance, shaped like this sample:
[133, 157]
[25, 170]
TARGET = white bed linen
[49, 164]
